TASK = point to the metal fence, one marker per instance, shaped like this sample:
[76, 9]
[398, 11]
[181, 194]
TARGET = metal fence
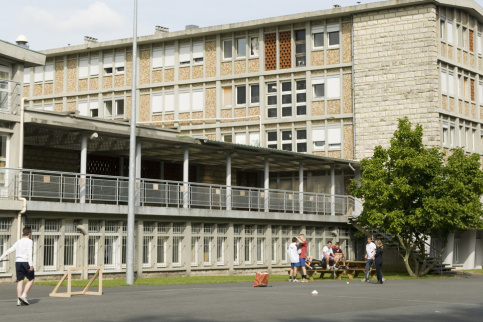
[40, 185]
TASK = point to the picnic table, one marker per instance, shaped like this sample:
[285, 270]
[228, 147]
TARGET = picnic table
[352, 270]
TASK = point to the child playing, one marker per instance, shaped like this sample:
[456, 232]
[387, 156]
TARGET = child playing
[293, 254]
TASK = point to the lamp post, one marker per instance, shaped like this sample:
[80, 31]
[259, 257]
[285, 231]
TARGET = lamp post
[132, 160]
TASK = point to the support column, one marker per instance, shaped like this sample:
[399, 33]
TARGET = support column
[266, 185]
[186, 178]
[228, 181]
[301, 188]
[448, 250]
[83, 169]
[470, 241]
[138, 174]
[139, 248]
[332, 190]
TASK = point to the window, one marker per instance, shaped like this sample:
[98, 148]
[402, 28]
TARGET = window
[318, 37]
[451, 83]
[227, 49]
[449, 31]
[301, 140]
[272, 99]
[198, 52]
[301, 97]
[207, 250]
[157, 57]
[287, 140]
[94, 65]
[161, 250]
[50, 252]
[248, 250]
[333, 35]
[254, 94]
[227, 97]
[300, 50]
[49, 72]
[444, 85]
[227, 138]
[177, 247]
[108, 64]
[119, 107]
[452, 132]
[26, 75]
[107, 109]
[82, 108]
[318, 87]
[184, 54]
[48, 107]
[445, 134]
[94, 108]
[318, 137]
[260, 245]
[333, 86]
[441, 28]
[169, 102]
[272, 140]
[254, 138]
[334, 138]
[83, 67]
[241, 47]
[286, 98]
[464, 43]
[236, 251]
[38, 73]
[157, 103]
[241, 95]
[92, 247]
[478, 43]
[198, 103]
[120, 59]
[480, 93]
[240, 138]
[471, 42]
[184, 101]
[220, 250]
[254, 48]
[169, 56]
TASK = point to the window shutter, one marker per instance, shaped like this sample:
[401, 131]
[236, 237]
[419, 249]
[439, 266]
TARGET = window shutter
[83, 108]
[83, 67]
[169, 102]
[120, 59]
[198, 49]
[240, 138]
[333, 86]
[157, 104]
[198, 100]
[332, 28]
[49, 72]
[184, 53]
[26, 75]
[184, 101]
[94, 105]
[157, 57]
[334, 135]
[449, 31]
[38, 73]
[317, 29]
[94, 65]
[169, 56]
[444, 83]
[108, 61]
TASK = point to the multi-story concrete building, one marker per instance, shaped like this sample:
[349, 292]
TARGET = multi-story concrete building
[248, 133]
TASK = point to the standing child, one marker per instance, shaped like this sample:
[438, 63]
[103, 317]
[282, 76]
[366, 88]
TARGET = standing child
[293, 254]
[23, 264]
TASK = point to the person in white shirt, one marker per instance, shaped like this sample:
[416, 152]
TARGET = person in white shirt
[23, 264]
[293, 254]
[328, 255]
[370, 253]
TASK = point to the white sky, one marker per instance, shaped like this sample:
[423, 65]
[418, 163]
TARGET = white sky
[57, 23]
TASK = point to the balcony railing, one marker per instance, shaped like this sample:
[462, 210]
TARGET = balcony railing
[9, 96]
[39, 185]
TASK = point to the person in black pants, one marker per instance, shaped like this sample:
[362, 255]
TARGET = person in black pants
[378, 260]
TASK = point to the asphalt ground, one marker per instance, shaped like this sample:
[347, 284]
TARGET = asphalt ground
[458, 299]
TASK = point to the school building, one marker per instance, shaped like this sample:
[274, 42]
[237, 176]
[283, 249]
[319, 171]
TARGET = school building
[248, 134]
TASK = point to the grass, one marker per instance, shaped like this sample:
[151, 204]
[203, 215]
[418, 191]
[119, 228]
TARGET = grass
[216, 279]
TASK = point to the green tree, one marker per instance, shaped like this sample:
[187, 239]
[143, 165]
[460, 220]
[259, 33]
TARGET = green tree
[412, 193]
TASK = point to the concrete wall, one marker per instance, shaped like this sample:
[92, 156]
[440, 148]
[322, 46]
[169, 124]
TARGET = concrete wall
[395, 66]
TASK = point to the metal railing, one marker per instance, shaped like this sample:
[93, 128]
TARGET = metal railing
[9, 96]
[40, 185]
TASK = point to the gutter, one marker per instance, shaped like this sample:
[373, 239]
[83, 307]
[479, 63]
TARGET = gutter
[20, 165]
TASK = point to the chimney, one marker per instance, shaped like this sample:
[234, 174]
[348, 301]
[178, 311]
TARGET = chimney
[188, 27]
[160, 30]
[336, 5]
[22, 41]
[89, 40]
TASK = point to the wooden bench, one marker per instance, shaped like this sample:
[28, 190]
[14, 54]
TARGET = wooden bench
[354, 268]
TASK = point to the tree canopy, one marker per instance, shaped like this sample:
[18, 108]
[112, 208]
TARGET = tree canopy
[413, 192]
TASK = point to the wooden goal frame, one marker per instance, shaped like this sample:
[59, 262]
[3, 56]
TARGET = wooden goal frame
[68, 274]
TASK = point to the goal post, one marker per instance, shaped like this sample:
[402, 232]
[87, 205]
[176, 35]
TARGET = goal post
[68, 275]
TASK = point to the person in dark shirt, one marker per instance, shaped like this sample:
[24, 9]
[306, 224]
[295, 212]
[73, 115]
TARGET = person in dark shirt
[338, 254]
[378, 261]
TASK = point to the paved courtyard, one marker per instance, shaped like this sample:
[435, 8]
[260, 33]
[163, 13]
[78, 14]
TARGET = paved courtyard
[459, 299]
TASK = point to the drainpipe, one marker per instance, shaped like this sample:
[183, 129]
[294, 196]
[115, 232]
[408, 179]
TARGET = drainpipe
[20, 165]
